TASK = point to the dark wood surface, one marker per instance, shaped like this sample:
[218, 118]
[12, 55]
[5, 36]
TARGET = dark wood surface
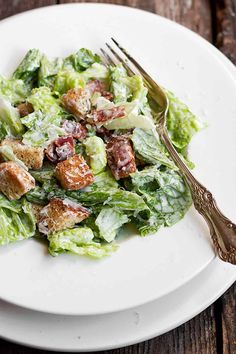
[214, 330]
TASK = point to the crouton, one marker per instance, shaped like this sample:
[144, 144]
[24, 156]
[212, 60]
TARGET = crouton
[77, 102]
[74, 173]
[31, 156]
[36, 208]
[25, 108]
[60, 215]
[14, 180]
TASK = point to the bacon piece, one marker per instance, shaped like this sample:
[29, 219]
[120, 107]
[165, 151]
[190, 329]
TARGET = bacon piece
[93, 86]
[77, 102]
[74, 173]
[120, 156]
[61, 149]
[75, 129]
[103, 133]
[108, 95]
[25, 108]
[104, 115]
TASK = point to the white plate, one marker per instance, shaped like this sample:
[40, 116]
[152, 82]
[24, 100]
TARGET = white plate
[101, 332]
[143, 269]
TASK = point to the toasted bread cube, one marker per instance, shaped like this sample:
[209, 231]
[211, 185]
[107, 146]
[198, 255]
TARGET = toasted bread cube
[31, 156]
[77, 102]
[36, 209]
[25, 108]
[60, 215]
[74, 173]
[14, 180]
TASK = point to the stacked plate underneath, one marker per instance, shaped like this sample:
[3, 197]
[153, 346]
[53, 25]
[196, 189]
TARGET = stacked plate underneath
[152, 284]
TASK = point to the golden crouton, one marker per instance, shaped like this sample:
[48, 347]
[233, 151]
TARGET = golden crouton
[36, 208]
[74, 173]
[77, 102]
[25, 108]
[31, 156]
[60, 215]
[14, 180]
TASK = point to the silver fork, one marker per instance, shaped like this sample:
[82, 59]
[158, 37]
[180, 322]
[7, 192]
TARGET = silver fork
[222, 230]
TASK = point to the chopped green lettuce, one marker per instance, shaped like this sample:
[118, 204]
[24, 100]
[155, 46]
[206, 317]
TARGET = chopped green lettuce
[95, 71]
[38, 195]
[119, 87]
[182, 124]
[147, 145]
[28, 68]
[165, 192]
[68, 79]
[78, 241]
[42, 99]
[44, 123]
[45, 174]
[43, 129]
[109, 221]
[10, 118]
[81, 60]
[95, 149]
[17, 220]
[48, 70]
[125, 200]
[14, 91]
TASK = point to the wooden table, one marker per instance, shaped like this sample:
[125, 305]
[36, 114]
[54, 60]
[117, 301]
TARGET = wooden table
[214, 330]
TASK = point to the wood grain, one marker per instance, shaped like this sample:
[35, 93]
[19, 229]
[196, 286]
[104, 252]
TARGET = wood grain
[194, 14]
[8, 8]
[224, 17]
[229, 321]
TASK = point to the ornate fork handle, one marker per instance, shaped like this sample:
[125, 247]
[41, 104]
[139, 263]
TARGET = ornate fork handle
[222, 230]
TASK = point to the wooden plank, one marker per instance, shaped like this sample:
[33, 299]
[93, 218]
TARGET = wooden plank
[229, 321]
[194, 14]
[224, 12]
[8, 8]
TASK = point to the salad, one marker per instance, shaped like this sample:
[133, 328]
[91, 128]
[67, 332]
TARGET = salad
[80, 156]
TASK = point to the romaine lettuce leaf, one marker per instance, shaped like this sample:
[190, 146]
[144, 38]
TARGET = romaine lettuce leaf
[17, 221]
[48, 70]
[95, 71]
[42, 99]
[10, 118]
[147, 145]
[165, 192]
[38, 195]
[44, 123]
[109, 221]
[14, 91]
[182, 124]
[28, 68]
[43, 129]
[81, 60]
[119, 87]
[125, 200]
[68, 79]
[78, 241]
[95, 149]
[46, 174]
